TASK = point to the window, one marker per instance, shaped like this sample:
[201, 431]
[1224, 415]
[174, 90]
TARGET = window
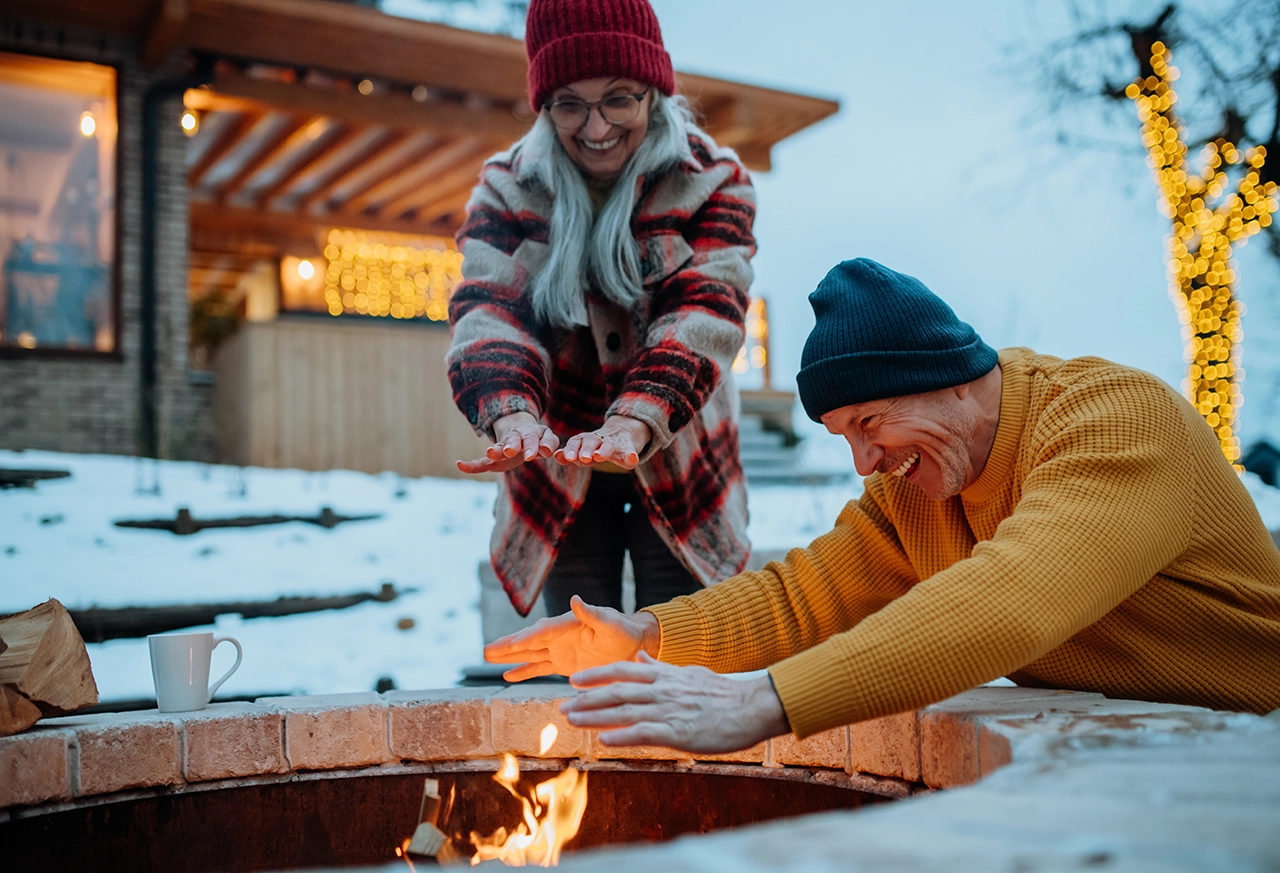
[57, 204]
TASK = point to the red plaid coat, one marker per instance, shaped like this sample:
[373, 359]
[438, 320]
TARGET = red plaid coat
[666, 363]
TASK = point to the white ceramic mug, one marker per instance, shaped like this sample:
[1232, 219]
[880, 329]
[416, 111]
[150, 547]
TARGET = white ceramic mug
[180, 668]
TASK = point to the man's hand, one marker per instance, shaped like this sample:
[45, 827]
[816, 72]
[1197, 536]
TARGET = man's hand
[520, 437]
[620, 440]
[589, 636]
[690, 708]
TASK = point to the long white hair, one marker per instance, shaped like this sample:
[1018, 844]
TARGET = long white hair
[585, 248]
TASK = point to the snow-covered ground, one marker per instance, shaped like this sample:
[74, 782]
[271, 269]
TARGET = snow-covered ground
[59, 541]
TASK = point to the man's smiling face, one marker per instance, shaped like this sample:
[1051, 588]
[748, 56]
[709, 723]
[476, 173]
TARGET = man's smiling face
[926, 439]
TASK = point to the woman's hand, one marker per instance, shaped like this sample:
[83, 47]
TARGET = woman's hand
[620, 440]
[589, 636]
[690, 708]
[520, 438]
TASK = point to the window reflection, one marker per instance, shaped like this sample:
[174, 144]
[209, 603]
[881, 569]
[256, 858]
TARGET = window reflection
[57, 204]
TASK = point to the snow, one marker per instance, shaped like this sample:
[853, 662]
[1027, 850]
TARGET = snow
[59, 541]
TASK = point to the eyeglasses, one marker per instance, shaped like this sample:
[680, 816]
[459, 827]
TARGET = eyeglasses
[615, 109]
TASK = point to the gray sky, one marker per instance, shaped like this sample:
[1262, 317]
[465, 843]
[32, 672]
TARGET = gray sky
[932, 169]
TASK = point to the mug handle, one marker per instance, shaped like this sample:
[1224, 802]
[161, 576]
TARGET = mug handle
[234, 667]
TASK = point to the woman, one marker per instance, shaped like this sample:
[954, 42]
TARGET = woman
[602, 301]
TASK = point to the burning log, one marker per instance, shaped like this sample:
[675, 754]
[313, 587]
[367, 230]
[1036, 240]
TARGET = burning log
[45, 660]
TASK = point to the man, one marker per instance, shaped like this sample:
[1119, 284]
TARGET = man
[1065, 523]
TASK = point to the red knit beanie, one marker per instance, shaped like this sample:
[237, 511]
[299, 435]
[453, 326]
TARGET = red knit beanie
[571, 40]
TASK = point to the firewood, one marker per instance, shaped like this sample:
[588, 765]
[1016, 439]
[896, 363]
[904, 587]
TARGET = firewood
[16, 712]
[46, 660]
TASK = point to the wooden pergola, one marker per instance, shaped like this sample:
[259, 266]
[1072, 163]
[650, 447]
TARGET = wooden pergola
[323, 114]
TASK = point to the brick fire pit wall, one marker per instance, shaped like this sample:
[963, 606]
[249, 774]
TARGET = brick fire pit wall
[1190, 776]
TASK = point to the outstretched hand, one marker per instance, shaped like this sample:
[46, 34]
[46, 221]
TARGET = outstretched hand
[588, 636]
[519, 438]
[620, 440]
[649, 703]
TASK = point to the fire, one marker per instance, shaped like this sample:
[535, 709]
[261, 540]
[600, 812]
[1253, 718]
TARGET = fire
[552, 815]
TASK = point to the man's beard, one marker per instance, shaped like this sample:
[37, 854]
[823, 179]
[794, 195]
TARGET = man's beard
[953, 459]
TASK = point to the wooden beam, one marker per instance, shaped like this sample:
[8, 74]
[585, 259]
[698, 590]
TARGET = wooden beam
[361, 41]
[335, 142]
[235, 229]
[164, 32]
[292, 134]
[443, 160]
[237, 92]
[379, 167]
[229, 139]
[447, 210]
[465, 170]
[350, 168]
[393, 179]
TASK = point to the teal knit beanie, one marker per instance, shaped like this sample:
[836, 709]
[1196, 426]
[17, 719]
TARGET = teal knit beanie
[883, 334]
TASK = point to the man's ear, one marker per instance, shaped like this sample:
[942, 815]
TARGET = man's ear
[962, 391]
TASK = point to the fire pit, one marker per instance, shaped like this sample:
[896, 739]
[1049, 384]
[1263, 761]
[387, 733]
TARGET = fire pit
[338, 781]
[296, 782]
[361, 820]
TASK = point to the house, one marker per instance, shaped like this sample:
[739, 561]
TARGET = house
[226, 225]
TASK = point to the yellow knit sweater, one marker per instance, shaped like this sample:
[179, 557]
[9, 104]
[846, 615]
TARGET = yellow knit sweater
[1107, 546]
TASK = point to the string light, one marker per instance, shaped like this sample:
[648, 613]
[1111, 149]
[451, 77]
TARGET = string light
[190, 122]
[88, 125]
[754, 354]
[370, 274]
[306, 270]
[1206, 221]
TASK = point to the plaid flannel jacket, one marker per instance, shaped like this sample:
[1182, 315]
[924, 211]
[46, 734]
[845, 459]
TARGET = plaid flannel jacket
[667, 363]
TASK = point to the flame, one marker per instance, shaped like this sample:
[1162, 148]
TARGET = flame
[551, 816]
[549, 734]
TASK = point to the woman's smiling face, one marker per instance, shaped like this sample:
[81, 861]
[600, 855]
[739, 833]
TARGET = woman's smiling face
[601, 148]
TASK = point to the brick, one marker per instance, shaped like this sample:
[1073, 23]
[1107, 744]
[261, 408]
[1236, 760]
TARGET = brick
[229, 740]
[949, 755]
[444, 725]
[520, 713]
[753, 755]
[331, 732]
[888, 746]
[601, 752]
[119, 751]
[35, 768]
[827, 749]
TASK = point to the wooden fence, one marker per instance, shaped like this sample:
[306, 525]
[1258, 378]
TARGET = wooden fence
[320, 394]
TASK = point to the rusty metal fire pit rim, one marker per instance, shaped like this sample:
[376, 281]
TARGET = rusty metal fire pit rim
[880, 785]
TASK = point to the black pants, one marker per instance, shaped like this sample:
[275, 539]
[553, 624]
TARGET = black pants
[611, 522]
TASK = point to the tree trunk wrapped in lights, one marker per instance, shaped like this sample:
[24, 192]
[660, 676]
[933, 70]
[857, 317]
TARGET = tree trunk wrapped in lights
[1206, 222]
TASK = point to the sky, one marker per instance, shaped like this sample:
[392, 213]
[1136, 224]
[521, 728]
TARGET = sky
[933, 168]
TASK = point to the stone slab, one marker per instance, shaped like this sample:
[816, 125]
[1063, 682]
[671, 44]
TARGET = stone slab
[887, 746]
[334, 731]
[519, 714]
[827, 749]
[120, 751]
[35, 768]
[443, 725]
[230, 740]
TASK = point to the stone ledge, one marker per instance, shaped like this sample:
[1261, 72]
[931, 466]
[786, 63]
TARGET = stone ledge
[951, 744]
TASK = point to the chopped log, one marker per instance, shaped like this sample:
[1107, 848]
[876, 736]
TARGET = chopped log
[16, 712]
[46, 660]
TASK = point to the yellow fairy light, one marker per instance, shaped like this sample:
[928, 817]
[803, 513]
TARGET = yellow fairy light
[1206, 221]
[390, 276]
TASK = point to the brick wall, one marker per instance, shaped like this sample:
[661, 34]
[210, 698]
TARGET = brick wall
[91, 404]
